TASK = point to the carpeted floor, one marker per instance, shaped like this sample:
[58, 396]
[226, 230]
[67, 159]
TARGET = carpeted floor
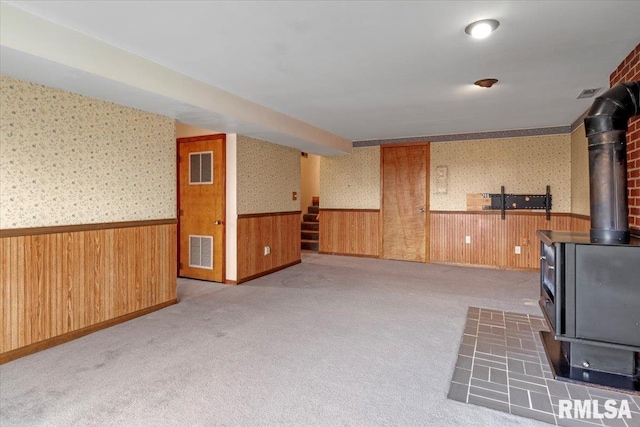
[331, 341]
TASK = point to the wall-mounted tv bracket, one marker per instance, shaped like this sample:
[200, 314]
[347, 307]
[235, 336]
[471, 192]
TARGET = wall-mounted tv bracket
[505, 202]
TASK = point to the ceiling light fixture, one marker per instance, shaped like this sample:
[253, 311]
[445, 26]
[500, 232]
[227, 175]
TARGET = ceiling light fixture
[481, 29]
[485, 82]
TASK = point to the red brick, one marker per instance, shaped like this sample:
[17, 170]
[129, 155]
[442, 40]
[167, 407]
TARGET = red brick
[629, 70]
[613, 78]
[626, 71]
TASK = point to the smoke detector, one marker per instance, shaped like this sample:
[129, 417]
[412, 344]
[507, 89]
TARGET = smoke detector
[588, 93]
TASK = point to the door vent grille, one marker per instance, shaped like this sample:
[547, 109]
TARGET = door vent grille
[201, 252]
[201, 168]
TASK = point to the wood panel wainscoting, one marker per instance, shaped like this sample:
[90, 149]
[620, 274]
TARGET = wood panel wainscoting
[580, 222]
[278, 230]
[354, 232]
[61, 283]
[493, 240]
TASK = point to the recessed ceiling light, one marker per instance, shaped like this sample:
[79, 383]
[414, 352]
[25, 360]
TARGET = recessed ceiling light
[481, 29]
[486, 82]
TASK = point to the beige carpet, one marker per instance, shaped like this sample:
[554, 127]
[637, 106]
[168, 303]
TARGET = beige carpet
[331, 341]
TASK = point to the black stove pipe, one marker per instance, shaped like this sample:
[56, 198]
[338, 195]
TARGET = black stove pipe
[606, 125]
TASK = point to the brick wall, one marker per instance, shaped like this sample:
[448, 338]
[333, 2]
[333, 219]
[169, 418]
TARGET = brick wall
[629, 71]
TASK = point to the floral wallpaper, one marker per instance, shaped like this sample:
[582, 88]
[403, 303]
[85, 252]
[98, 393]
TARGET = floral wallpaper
[579, 173]
[68, 159]
[524, 165]
[521, 164]
[267, 174]
[351, 181]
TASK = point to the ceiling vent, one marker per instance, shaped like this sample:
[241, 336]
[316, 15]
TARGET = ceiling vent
[588, 93]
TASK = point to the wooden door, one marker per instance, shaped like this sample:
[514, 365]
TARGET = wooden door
[201, 203]
[405, 202]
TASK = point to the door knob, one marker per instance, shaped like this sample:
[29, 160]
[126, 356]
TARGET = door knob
[421, 210]
[218, 222]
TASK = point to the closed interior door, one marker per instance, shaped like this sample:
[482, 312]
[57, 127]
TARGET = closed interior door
[405, 202]
[201, 182]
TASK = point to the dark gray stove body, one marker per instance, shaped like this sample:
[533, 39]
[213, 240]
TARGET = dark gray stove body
[590, 296]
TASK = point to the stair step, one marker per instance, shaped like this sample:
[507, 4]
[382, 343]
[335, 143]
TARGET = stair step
[310, 235]
[310, 226]
[313, 209]
[310, 217]
[309, 245]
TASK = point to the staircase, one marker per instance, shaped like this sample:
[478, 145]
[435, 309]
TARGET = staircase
[310, 227]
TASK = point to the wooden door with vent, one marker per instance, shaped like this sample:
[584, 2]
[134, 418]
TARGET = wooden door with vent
[405, 202]
[201, 205]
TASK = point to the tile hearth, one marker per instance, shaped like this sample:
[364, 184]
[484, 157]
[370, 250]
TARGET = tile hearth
[502, 365]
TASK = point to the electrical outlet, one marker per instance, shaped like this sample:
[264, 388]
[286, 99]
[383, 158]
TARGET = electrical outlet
[267, 250]
[467, 240]
[518, 250]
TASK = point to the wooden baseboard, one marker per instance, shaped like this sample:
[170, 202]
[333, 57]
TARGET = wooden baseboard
[69, 336]
[264, 273]
[345, 254]
[230, 282]
[488, 267]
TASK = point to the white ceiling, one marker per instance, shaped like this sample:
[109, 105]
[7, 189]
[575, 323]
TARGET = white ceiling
[376, 70]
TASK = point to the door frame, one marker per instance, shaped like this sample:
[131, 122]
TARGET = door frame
[427, 245]
[209, 137]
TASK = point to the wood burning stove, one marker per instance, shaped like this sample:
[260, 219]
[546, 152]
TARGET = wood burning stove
[590, 282]
[590, 297]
